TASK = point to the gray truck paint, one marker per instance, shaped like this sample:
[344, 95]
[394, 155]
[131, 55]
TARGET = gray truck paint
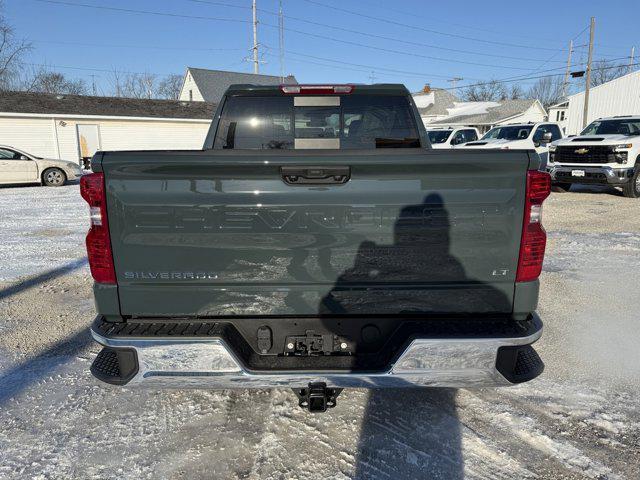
[219, 233]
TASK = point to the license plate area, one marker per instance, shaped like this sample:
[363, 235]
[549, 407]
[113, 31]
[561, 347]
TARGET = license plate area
[577, 173]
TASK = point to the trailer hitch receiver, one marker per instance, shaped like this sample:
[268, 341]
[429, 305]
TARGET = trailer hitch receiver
[317, 397]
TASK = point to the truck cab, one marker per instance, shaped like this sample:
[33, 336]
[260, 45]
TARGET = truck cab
[534, 136]
[448, 137]
[606, 152]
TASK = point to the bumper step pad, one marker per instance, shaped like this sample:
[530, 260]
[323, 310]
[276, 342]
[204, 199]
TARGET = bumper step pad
[115, 366]
[519, 363]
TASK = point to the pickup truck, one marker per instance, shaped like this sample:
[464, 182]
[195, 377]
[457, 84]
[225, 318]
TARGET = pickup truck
[447, 137]
[316, 242]
[535, 136]
[607, 152]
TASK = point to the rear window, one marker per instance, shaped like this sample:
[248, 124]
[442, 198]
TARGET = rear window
[334, 122]
[515, 132]
[438, 136]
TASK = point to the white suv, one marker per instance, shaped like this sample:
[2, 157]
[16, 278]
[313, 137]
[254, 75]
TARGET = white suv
[448, 137]
[607, 152]
[534, 136]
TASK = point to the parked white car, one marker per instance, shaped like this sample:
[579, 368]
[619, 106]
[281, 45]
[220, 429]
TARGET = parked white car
[17, 166]
[536, 136]
[607, 152]
[448, 137]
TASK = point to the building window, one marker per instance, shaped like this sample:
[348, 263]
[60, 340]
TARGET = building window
[191, 95]
[562, 115]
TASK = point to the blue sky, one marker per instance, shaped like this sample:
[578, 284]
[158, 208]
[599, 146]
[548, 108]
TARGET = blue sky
[407, 41]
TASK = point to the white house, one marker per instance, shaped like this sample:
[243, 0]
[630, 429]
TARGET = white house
[558, 113]
[200, 84]
[73, 127]
[484, 115]
[620, 96]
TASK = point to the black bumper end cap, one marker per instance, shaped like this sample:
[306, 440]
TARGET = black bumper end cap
[116, 366]
[519, 363]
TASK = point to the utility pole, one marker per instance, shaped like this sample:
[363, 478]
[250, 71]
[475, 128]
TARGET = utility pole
[372, 76]
[565, 84]
[93, 84]
[281, 39]
[585, 112]
[454, 81]
[633, 52]
[255, 37]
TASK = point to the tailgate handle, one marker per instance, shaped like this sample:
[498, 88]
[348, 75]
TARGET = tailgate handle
[315, 175]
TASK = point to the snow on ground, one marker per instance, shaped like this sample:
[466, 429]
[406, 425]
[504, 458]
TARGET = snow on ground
[40, 228]
[581, 419]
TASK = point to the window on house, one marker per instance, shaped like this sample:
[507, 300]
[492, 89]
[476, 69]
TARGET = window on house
[191, 95]
[562, 115]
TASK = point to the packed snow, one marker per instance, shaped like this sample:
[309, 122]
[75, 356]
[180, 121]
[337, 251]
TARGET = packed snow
[580, 419]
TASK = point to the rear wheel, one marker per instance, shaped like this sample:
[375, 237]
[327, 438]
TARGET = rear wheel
[631, 189]
[562, 187]
[53, 177]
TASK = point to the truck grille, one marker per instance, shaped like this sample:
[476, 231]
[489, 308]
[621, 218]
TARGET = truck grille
[593, 154]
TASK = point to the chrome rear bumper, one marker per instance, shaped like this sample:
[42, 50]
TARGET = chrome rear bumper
[210, 363]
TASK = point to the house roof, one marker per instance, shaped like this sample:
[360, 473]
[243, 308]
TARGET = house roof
[213, 83]
[47, 103]
[563, 104]
[436, 102]
[485, 113]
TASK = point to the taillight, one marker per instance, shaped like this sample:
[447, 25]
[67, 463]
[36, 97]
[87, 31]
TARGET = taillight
[316, 89]
[534, 238]
[98, 242]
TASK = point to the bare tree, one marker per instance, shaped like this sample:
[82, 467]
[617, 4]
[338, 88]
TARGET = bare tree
[138, 85]
[12, 51]
[548, 90]
[490, 91]
[54, 82]
[516, 92]
[169, 87]
[145, 85]
[604, 71]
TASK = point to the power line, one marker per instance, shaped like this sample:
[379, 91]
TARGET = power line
[527, 78]
[150, 47]
[397, 52]
[324, 37]
[146, 12]
[362, 67]
[60, 2]
[380, 37]
[369, 67]
[95, 69]
[414, 27]
[437, 32]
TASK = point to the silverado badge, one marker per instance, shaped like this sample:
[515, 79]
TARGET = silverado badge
[582, 151]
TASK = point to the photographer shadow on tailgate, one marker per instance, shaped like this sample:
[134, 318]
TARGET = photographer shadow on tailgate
[408, 432]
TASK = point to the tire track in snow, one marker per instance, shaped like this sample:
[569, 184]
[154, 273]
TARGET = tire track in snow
[564, 455]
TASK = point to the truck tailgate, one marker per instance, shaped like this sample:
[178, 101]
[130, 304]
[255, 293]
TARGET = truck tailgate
[220, 233]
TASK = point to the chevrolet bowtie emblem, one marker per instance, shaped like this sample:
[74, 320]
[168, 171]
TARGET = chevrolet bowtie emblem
[582, 151]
